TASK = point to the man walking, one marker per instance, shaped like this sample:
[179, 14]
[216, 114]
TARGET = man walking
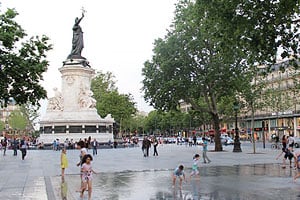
[23, 147]
[204, 155]
[15, 146]
[95, 146]
[155, 144]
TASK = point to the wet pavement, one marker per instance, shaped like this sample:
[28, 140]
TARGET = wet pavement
[265, 181]
[124, 174]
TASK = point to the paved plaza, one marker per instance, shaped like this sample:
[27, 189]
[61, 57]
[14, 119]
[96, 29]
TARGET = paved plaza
[124, 174]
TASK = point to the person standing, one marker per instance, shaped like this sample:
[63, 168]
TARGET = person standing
[148, 145]
[63, 162]
[155, 144]
[95, 146]
[23, 147]
[291, 141]
[86, 175]
[15, 146]
[4, 145]
[297, 165]
[144, 146]
[204, 151]
[284, 141]
[195, 140]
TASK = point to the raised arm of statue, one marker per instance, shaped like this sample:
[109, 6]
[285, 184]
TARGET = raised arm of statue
[77, 22]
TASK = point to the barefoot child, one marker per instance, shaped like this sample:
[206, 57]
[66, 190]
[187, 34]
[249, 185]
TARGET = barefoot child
[297, 165]
[63, 162]
[178, 172]
[195, 170]
[86, 175]
[287, 155]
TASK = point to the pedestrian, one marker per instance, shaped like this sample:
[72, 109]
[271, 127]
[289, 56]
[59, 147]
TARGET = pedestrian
[148, 145]
[204, 151]
[23, 147]
[178, 172]
[15, 146]
[4, 145]
[195, 140]
[297, 165]
[287, 155]
[195, 166]
[63, 162]
[83, 152]
[144, 147]
[155, 144]
[54, 145]
[86, 175]
[57, 145]
[291, 141]
[95, 146]
[283, 141]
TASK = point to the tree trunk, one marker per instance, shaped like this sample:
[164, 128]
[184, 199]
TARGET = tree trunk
[252, 129]
[216, 121]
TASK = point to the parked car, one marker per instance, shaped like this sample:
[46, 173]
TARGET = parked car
[170, 140]
[226, 140]
[199, 141]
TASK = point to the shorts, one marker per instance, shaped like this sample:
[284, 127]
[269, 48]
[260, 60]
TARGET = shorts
[290, 156]
[194, 172]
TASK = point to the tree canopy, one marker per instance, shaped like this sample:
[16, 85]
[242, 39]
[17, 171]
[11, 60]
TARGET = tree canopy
[109, 100]
[210, 49]
[22, 62]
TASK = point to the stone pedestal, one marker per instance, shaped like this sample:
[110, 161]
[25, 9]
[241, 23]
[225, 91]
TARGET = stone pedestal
[71, 113]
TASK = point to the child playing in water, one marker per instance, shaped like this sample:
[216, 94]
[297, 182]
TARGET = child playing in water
[178, 172]
[195, 170]
[86, 175]
[63, 162]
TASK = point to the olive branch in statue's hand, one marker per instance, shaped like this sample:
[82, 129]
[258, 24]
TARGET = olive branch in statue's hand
[83, 11]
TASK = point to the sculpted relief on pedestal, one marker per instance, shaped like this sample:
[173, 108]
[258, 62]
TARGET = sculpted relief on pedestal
[56, 102]
[70, 80]
[86, 99]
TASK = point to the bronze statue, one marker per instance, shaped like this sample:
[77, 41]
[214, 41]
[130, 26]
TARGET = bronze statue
[77, 42]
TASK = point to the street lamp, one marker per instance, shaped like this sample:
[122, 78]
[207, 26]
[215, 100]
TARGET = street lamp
[237, 143]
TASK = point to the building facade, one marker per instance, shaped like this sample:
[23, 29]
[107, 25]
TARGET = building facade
[280, 113]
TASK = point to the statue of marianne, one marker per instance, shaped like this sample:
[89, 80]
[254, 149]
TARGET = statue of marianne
[77, 42]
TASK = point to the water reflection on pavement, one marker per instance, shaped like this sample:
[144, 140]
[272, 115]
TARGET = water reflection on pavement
[265, 181]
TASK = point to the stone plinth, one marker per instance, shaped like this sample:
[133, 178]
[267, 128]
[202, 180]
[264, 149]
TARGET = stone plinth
[71, 113]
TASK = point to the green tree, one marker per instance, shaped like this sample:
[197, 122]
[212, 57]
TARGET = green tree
[109, 101]
[22, 62]
[17, 120]
[30, 113]
[2, 126]
[189, 64]
[211, 44]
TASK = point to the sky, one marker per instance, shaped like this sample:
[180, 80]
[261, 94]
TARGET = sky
[118, 36]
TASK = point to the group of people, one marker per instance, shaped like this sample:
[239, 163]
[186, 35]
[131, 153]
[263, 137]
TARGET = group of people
[146, 144]
[21, 144]
[290, 154]
[179, 171]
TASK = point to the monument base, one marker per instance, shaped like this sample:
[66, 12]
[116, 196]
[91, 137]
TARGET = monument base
[75, 125]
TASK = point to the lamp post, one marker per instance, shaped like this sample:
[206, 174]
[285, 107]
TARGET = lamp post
[237, 143]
